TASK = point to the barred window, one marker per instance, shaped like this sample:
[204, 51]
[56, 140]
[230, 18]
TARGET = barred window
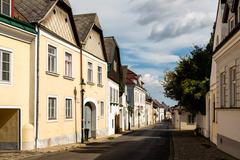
[5, 66]
[68, 108]
[52, 108]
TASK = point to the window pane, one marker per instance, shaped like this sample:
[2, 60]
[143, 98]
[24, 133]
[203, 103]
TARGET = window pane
[6, 7]
[5, 76]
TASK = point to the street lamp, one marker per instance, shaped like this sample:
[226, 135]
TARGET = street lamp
[83, 85]
[75, 100]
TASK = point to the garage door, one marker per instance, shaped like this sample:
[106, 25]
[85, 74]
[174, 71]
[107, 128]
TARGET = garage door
[9, 129]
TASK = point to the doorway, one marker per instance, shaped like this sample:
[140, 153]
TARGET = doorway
[10, 129]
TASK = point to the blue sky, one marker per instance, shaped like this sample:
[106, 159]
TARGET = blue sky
[153, 34]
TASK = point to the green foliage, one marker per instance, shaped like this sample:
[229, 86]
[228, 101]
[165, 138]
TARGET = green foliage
[189, 82]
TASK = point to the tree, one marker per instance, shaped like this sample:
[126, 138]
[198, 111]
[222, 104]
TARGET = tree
[189, 82]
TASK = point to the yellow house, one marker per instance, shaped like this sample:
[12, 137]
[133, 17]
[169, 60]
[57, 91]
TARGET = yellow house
[17, 49]
[94, 74]
[57, 118]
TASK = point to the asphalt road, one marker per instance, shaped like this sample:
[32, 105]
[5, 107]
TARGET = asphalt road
[152, 143]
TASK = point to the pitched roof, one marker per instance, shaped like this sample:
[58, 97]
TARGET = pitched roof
[34, 10]
[84, 24]
[111, 45]
[131, 77]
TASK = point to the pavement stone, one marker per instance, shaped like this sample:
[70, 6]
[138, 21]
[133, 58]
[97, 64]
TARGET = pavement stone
[187, 146]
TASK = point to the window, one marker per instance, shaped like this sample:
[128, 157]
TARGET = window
[117, 96]
[90, 72]
[223, 89]
[114, 96]
[52, 108]
[5, 7]
[191, 119]
[68, 65]
[102, 108]
[111, 94]
[5, 66]
[68, 108]
[231, 24]
[52, 59]
[115, 66]
[233, 87]
[214, 110]
[99, 75]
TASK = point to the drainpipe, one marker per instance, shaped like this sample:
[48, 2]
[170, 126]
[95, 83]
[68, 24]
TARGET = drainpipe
[37, 90]
[82, 92]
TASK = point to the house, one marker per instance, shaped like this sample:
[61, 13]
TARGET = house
[136, 98]
[124, 104]
[149, 110]
[57, 64]
[17, 73]
[224, 95]
[182, 119]
[160, 108]
[115, 112]
[94, 74]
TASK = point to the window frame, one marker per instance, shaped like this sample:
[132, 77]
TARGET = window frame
[56, 56]
[100, 75]
[3, 50]
[191, 119]
[68, 73]
[223, 89]
[233, 86]
[66, 116]
[56, 108]
[10, 8]
[90, 69]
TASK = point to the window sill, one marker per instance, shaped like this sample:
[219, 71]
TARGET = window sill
[8, 83]
[90, 83]
[52, 121]
[68, 78]
[68, 119]
[52, 74]
[100, 85]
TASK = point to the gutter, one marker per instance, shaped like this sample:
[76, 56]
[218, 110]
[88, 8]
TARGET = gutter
[37, 90]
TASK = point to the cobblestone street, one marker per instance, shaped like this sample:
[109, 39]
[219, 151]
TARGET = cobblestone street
[189, 147]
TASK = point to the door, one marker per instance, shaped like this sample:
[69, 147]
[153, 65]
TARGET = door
[9, 129]
[88, 120]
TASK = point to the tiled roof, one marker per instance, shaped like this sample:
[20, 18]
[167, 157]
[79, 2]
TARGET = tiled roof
[131, 77]
[34, 10]
[111, 46]
[84, 23]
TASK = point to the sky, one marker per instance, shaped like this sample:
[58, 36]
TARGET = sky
[153, 34]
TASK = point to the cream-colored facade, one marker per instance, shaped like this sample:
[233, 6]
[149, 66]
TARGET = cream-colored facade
[224, 93]
[58, 82]
[95, 96]
[17, 55]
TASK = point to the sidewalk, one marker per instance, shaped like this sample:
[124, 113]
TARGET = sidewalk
[21, 155]
[186, 146]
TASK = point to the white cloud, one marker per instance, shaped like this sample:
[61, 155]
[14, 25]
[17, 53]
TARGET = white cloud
[150, 31]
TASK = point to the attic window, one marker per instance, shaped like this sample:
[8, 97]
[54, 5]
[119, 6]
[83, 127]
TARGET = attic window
[90, 37]
[54, 11]
[5, 7]
[66, 20]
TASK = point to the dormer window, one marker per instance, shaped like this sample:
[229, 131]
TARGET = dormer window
[231, 24]
[5, 7]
